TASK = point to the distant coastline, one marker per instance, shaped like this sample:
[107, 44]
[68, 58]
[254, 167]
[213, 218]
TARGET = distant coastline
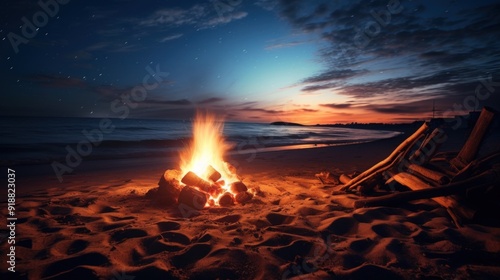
[401, 127]
[286, 123]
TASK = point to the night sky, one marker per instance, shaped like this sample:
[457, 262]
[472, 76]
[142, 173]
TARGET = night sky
[265, 60]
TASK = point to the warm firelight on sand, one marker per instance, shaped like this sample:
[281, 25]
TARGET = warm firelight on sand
[207, 150]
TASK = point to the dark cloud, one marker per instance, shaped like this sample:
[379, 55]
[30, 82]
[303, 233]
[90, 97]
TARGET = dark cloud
[267, 5]
[176, 102]
[176, 16]
[335, 74]
[171, 37]
[424, 109]
[312, 88]
[211, 100]
[225, 18]
[336, 105]
[396, 109]
[283, 45]
[261, 110]
[201, 15]
[276, 112]
[307, 110]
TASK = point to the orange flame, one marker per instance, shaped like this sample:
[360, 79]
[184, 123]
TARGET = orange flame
[207, 148]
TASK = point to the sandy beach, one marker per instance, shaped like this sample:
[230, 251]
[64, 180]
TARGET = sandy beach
[99, 224]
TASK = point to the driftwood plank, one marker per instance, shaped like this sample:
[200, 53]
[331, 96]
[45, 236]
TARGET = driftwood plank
[429, 146]
[471, 146]
[388, 162]
[422, 190]
[457, 211]
[429, 174]
[478, 164]
[344, 179]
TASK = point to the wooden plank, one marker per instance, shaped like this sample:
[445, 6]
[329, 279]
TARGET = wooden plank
[429, 146]
[471, 146]
[387, 162]
[441, 194]
[429, 174]
[344, 179]
[456, 211]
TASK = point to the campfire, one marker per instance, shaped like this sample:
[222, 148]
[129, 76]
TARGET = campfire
[204, 178]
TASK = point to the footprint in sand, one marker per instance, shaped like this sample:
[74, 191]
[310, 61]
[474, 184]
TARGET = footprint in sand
[205, 238]
[59, 210]
[233, 261]
[41, 212]
[45, 225]
[69, 247]
[73, 263]
[155, 244]
[361, 245]
[123, 234]
[80, 272]
[302, 231]
[297, 248]
[279, 219]
[26, 243]
[392, 230]
[147, 272]
[191, 255]
[352, 261]
[168, 226]
[175, 237]
[106, 226]
[369, 270]
[309, 211]
[369, 215]
[75, 219]
[275, 240]
[82, 230]
[339, 225]
[100, 209]
[230, 219]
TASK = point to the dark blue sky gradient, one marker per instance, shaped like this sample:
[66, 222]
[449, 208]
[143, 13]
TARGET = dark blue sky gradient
[265, 60]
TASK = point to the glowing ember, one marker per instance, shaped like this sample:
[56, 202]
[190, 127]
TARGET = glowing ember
[204, 158]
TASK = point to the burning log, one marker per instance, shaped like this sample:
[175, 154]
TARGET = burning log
[214, 174]
[168, 188]
[237, 187]
[226, 199]
[243, 197]
[192, 197]
[220, 183]
[191, 179]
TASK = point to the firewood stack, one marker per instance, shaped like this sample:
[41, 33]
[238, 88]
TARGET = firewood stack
[195, 192]
[415, 165]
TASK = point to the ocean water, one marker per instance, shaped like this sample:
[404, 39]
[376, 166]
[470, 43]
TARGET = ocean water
[27, 140]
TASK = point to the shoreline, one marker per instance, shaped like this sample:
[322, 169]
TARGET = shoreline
[42, 175]
[121, 150]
